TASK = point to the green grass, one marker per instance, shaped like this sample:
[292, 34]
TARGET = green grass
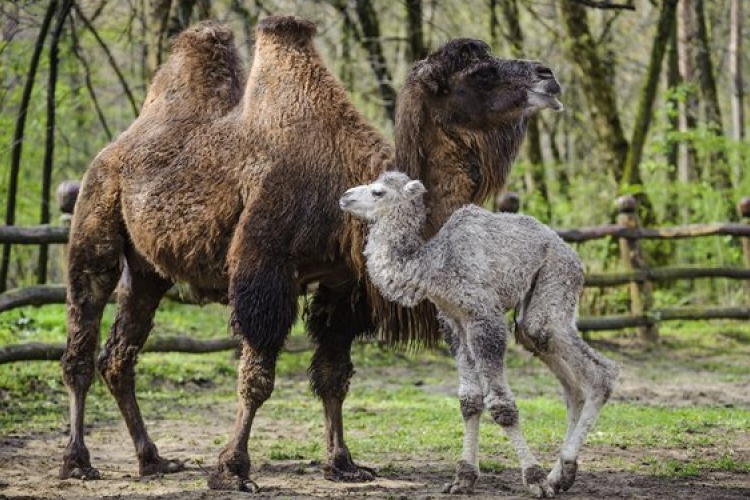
[401, 406]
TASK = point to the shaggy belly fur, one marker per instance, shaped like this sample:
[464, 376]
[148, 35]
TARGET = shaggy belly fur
[185, 236]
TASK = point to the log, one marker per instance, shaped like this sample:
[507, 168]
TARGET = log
[34, 235]
[37, 351]
[662, 233]
[667, 314]
[38, 295]
[665, 274]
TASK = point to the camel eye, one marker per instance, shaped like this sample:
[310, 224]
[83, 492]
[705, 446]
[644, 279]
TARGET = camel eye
[487, 74]
[378, 193]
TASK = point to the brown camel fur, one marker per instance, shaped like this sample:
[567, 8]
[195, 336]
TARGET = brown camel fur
[242, 205]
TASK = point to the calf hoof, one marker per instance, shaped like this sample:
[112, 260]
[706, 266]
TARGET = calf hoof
[536, 482]
[466, 478]
[563, 475]
[161, 466]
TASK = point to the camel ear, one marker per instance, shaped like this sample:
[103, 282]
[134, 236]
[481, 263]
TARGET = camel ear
[414, 188]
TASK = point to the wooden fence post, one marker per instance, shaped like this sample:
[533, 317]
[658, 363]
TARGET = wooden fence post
[641, 294]
[508, 202]
[66, 194]
[743, 207]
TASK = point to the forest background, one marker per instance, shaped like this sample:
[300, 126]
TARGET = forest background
[653, 90]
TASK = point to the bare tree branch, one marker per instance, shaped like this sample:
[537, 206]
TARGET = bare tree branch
[605, 5]
[110, 58]
[89, 85]
[15, 161]
[49, 143]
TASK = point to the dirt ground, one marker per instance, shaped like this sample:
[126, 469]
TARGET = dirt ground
[28, 465]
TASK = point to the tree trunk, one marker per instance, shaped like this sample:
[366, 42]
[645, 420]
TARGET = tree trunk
[493, 25]
[631, 175]
[370, 40]
[735, 69]
[720, 177]
[534, 178]
[596, 82]
[673, 152]
[689, 111]
[416, 48]
[49, 150]
[16, 148]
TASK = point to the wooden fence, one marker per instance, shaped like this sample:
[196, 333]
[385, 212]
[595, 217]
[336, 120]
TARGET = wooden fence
[639, 276]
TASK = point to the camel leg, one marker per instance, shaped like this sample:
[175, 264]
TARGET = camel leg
[471, 400]
[255, 385]
[264, 303]
[333, 323]
[487, 341]
[93, 270]
[140, 291]
[592, 378]
[587, 377]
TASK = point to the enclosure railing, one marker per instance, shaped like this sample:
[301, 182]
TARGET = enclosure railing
[638, 275]
[641, 277]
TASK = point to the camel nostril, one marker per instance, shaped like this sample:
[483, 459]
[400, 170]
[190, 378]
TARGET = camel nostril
[545, 73]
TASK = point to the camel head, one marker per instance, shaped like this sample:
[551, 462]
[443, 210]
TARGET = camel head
[461, 118]
[389, 191]
[465, 86]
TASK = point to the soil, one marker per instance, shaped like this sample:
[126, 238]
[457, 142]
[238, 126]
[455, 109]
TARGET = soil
[29, 464]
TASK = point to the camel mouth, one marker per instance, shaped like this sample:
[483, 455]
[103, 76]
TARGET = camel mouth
[549, 100]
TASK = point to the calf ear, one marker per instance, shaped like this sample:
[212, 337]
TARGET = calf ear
[414, 188]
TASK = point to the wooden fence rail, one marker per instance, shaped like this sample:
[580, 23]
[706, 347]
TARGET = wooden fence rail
[627, 230]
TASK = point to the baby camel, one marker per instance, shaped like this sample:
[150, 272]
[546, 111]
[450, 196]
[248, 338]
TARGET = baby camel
[476, 268]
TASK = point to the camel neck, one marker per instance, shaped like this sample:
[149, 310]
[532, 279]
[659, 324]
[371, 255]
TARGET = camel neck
[394, 260]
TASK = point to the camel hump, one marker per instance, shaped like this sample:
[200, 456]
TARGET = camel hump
[290, 26]
[205, 33]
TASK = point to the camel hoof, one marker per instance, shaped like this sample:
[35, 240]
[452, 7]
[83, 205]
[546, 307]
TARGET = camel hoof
[459, 487]
[350, 474]
[536, 482]
[161, 466]
[228, 482]
[563, 475]
[85, 473]
[569, 471]
[466, 478]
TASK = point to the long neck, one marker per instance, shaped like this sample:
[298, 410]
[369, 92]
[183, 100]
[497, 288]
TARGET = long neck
[467, 167]
[394, 259]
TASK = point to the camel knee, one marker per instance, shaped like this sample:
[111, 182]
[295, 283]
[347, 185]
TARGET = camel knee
[503, 411]
[116, 365]
[78, 369]
[329, 379]
[471, 405]
[535, 340]
[256, 376]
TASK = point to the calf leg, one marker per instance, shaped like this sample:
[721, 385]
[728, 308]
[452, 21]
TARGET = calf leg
[333, 322]
[587, 377]
[471, 400]
[139, 294]
[487, 340]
